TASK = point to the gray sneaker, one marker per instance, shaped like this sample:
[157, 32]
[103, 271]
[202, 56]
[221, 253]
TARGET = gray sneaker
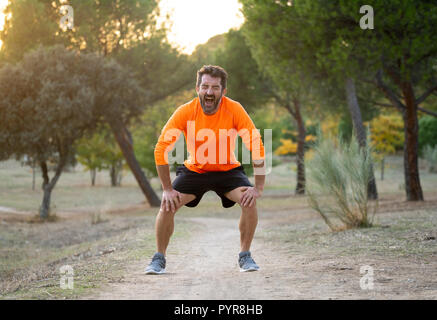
[157, 266]
[246, 262]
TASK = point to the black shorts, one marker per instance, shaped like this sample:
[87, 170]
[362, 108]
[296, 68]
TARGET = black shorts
[220, 182]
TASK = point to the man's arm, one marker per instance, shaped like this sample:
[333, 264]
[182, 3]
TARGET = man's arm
[164, 176]
[170, 133]
[248, 199]
[260, 175]
[171, 198]
[252, 139]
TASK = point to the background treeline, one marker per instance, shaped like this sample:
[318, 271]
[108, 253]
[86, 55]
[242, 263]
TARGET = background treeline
[100, 93]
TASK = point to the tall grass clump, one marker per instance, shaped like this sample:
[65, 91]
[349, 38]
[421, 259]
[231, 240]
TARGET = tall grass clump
[430, 155]
[339, 174]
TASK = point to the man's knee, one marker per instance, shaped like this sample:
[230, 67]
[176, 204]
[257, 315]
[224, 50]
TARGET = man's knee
[167, 212]
[251, 209]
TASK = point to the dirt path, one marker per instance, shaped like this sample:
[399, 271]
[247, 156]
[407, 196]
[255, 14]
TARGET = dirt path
[205, 267]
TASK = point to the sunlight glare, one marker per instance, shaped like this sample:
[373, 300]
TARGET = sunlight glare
[195, 21]
[3, 4]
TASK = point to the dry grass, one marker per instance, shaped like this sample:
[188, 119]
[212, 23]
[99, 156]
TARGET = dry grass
[31, 254]
[100, 238]
[339, 176]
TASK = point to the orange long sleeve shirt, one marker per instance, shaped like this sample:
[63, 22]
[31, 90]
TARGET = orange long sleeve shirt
[210, 138]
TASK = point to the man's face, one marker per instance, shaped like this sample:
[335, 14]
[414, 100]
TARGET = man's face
[210, 92]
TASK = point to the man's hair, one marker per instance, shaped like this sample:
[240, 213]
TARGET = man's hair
[213, 71]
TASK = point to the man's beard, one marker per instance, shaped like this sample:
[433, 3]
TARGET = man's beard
[210, 108]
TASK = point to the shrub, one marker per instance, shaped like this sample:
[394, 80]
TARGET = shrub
[430, 155]
[339, 174]
[427, 132]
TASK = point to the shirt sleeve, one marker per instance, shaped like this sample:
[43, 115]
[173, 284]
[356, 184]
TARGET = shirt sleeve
[170, 134]
[249, 133]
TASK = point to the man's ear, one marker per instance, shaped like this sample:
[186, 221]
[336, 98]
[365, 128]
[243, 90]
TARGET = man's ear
[224, 91]
[197, 89]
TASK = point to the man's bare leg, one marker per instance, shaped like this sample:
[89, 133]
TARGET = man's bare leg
[248, 218]
[247, 226]
[164, 224]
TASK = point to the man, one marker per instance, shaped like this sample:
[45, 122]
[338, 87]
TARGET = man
[209, 122]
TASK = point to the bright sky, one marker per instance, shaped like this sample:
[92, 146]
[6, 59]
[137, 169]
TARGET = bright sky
[193, 21]
[3, 4]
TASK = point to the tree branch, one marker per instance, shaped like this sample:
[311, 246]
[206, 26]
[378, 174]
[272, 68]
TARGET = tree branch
[388, 92]
[426, 94]
[431, 113]
[284, 102]
[290, 109]
[45, 175]
[380, 104]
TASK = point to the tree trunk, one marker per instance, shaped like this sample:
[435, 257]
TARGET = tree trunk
[300, 159]
[119, 176]
[124, 140]
[411, 132]
[33, 176]
[413, 188]
[44, 210]
[93, 177]
[48, 185]
[382, 168]
[359, 130]
[112, 175]
[115, 174]
[45, 174]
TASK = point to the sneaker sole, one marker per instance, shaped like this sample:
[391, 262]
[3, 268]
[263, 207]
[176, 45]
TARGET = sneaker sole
[249, 270]
[153, 272]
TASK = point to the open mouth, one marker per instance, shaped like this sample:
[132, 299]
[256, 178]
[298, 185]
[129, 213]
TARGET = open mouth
[209, 100]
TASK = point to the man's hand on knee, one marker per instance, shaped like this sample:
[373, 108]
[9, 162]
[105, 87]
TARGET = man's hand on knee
[250, 194]
[171, 200]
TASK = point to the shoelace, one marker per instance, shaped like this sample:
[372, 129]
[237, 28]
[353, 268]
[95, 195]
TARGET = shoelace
[245, 259]
[159, 261]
